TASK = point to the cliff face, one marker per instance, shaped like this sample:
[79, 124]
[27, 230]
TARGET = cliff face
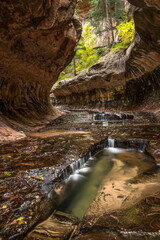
[126, 78]
[84, 8]
[37, 41]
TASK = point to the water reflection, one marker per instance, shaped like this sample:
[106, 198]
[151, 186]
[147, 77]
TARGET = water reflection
[84, 184]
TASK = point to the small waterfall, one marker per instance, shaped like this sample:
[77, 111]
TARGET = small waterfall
[74, 167]
[111, 116]
[65, 173]
[90, 154]
[144, 148]
[94, 117]
[119, 115]
[55, 173]
[105, 123]
[111, 143]
[142, 145]
[105, 143]
[128, 116]
[100, 117]
[139, 145]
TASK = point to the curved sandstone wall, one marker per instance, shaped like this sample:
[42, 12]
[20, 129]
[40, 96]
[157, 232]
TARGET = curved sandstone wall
[37, 41]
[126, 78]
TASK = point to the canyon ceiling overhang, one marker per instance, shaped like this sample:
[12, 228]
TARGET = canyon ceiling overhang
[37, 41]
[124, 78]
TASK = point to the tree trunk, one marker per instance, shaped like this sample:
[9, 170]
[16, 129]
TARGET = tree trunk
[111, 24]
[74, 66]
[108, 21]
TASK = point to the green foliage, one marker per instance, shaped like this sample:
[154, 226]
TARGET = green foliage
[97, 14]
[118, 12]
[68, 72]
[101, 52]
[85, 52]
[118, 46]
[126, 35]
[8, 173]
[103, 9]
[40, 176]
[77, 10]
[85, 56]
[126, 32]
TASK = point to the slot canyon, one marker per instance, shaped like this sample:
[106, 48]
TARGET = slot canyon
[86, 167]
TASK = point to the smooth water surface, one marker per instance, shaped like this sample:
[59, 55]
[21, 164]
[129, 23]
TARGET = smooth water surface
[83, 185]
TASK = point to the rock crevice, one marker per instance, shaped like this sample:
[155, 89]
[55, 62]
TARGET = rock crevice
[124, 79]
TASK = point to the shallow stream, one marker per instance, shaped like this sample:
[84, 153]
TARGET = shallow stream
[83, 185]
[120, 186]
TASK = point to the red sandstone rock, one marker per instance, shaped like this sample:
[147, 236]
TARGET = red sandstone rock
[8, 134]
[37, 41]
[124, 79]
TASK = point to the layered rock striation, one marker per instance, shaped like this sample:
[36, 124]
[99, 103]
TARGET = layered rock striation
[126, 78]
[37, 41]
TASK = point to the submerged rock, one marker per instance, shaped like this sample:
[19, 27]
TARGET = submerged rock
[59, 226]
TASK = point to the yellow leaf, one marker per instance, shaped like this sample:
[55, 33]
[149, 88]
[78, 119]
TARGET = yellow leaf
[37, 197]
[20, 218]
[73, 159]
[4, 207]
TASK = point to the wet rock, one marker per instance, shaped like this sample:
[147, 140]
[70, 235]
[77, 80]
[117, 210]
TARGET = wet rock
[101, 234]
[133, 203]
[27, 158]
[59, 226]
[9, 134]
[112, 116]
[96, 234]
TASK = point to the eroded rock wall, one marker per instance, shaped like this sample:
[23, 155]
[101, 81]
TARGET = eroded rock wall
[124, 79]
[37, 41]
